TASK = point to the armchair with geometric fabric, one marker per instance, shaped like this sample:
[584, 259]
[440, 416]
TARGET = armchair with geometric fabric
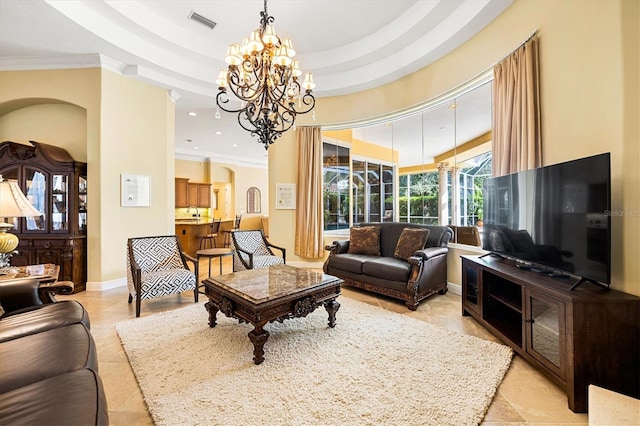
[253, 251]
[156, 266]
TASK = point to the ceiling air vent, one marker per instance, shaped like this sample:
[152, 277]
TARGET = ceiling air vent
[201, 19]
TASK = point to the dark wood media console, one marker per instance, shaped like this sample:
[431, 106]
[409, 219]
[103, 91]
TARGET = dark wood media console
[577, 338]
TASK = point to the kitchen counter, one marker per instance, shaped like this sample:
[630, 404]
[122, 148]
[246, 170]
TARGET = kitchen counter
[202, 221]
[188, 231]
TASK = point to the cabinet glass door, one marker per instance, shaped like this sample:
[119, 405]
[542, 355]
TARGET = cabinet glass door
[471, 289]
[10, 174]
[82, 203]
[36, 192]
[59, 203]
[546, 330]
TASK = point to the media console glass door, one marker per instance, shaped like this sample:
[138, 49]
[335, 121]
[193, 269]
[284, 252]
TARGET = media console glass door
[545, 330]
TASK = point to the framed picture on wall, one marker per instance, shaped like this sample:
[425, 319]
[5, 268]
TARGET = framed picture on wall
[286, 196]
[135, 190]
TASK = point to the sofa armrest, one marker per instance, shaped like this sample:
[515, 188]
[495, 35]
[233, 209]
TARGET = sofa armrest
[429, 252]
[48, 291]
[19, 293]
[338, 246]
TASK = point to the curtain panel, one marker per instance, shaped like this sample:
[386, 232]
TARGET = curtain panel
[517, 140]
[309, 232]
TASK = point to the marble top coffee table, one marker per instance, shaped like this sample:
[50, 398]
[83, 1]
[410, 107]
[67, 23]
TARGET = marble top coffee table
[276, 293]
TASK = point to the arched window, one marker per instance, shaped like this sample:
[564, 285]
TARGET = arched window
[254, 201]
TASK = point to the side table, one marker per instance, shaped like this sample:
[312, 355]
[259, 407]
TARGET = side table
[214, 252]
[211, 253]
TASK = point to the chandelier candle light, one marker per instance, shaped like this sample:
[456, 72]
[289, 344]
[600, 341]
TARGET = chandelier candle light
[264, 76]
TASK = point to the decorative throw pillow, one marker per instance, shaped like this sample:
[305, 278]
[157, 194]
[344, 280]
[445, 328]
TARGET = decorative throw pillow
[364, 240]
[410, 241]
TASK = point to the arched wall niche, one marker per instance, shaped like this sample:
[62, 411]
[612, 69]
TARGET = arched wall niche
[59, 123]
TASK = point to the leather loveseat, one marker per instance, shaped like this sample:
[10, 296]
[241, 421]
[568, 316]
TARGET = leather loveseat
[382, 267]
[48, 362]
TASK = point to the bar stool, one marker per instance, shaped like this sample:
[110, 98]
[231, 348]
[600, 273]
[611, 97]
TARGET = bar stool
[211, 236]
[227, 234]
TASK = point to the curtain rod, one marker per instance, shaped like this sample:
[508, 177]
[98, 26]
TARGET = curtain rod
[533, 34]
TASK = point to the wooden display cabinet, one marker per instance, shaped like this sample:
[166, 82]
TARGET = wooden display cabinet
[577, 338]
[57, 186]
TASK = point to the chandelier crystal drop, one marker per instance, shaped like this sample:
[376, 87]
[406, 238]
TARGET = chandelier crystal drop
[263, 75]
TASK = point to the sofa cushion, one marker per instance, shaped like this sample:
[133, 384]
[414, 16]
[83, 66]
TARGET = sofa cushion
[41, 318]
[36, 357]
[364, 240]
[349, 262]
[75, 398]
[410, 241]
[388, 268]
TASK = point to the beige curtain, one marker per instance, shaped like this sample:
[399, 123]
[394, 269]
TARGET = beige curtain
[309, 242]
[517, 142]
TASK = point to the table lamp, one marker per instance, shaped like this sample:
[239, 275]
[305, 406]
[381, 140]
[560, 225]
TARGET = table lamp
[13, 203]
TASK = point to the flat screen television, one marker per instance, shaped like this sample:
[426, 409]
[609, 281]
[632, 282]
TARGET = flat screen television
[554, 219]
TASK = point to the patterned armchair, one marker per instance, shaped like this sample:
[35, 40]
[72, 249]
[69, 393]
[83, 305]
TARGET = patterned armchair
[156, 266]
[253, 251]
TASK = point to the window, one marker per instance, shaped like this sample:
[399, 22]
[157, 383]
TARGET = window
[372, 189]
[471, 179]
[254, 200]
[419, 195]
[335, 186]
[373, 192]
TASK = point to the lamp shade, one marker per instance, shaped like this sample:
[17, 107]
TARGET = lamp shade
[13, 202]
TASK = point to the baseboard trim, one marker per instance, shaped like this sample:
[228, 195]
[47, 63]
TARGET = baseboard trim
[106, 285]
[454, 288]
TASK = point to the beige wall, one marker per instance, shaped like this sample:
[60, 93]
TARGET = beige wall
[195, 171]
[57, 124]
[126, 120]
[589, 90]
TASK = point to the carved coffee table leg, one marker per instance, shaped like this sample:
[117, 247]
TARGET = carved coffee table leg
[332, 307]
[213, 311]
[258, 337]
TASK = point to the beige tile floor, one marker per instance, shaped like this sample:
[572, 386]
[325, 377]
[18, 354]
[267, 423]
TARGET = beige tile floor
[524, 397]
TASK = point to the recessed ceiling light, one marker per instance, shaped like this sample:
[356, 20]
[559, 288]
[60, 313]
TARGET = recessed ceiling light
[235, 145]
[192, 114]
[195, 147]
[218, 132]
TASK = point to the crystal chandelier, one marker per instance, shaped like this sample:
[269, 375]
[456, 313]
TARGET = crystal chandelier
[264, 76]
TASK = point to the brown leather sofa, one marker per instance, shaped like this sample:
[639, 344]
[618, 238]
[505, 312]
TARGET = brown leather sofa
[419, 276]
[48, 361]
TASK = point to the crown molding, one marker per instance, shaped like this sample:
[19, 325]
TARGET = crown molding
[221, 159]
[29, 63]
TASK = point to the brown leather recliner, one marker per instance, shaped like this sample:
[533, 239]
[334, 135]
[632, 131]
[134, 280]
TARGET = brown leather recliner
[48, 362]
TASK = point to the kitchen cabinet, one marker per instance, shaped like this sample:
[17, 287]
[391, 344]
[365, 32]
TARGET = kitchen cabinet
[192, 194]
[182, 199]
[57, 186]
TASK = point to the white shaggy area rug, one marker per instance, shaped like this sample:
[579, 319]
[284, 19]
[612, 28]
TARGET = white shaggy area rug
[374, 368]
